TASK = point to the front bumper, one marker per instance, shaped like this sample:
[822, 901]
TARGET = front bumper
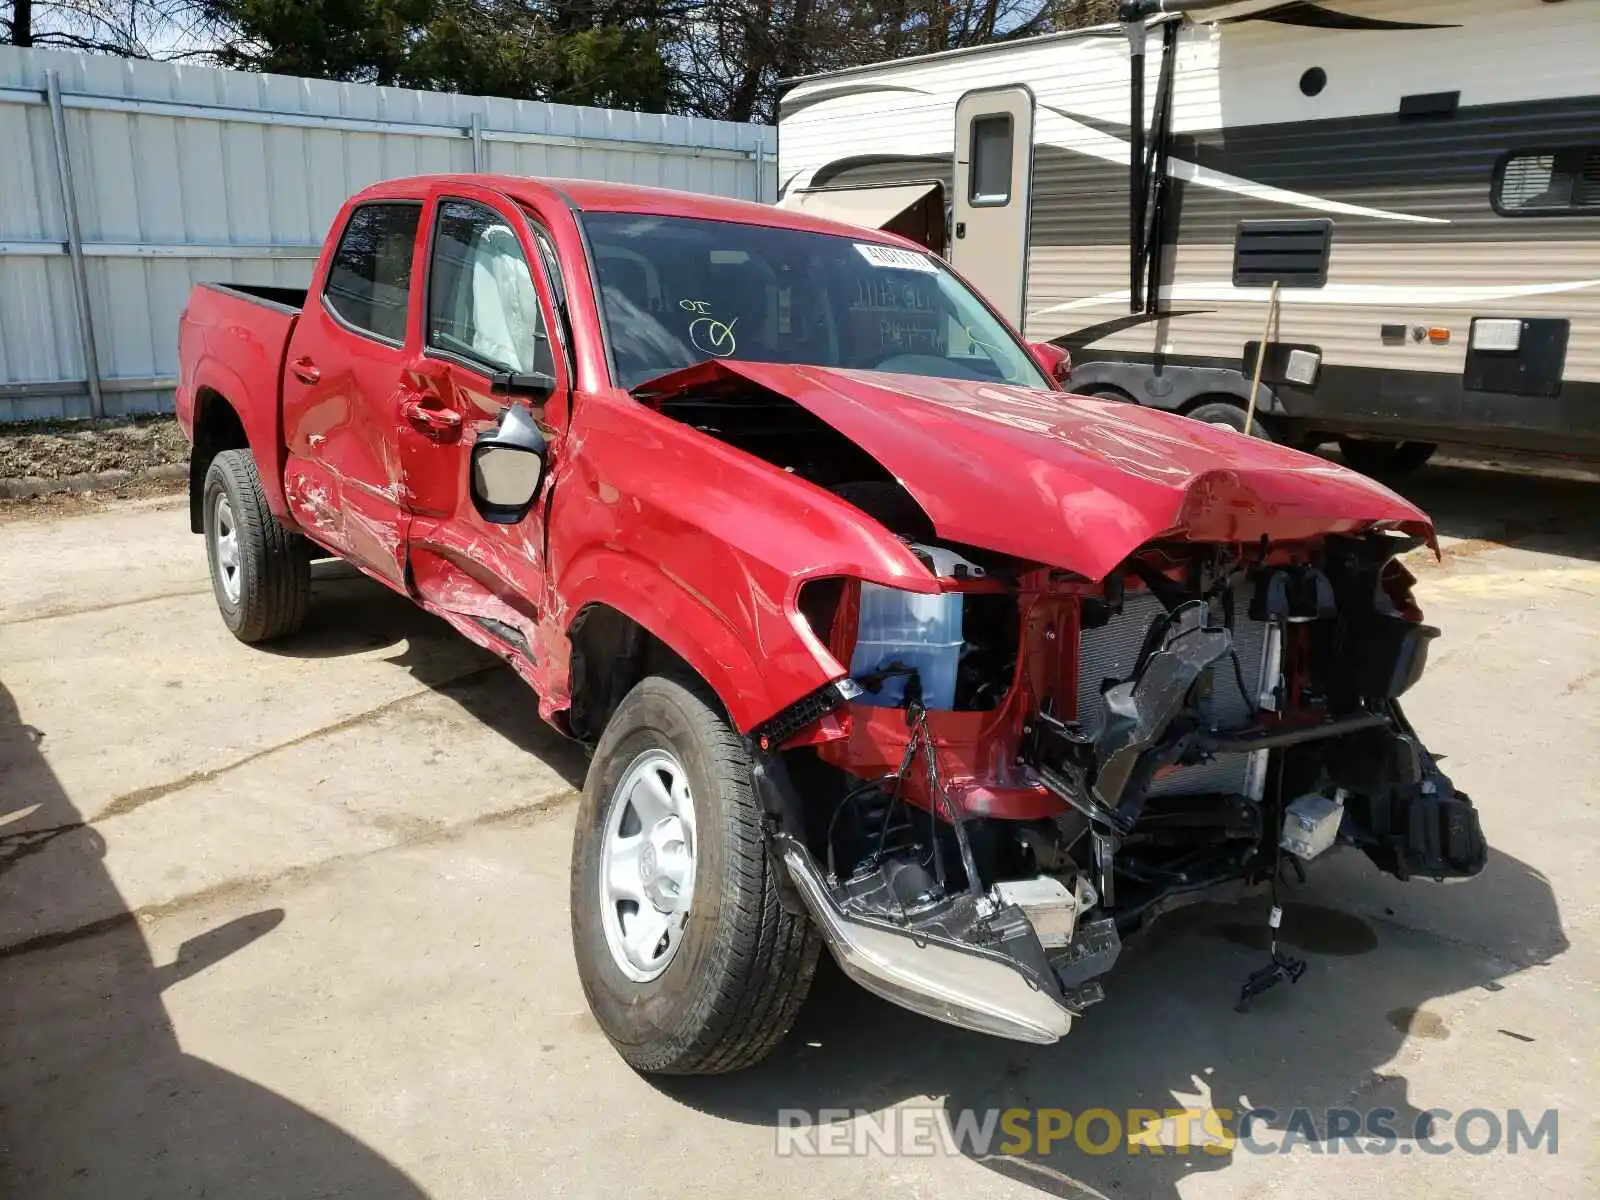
[992, 976]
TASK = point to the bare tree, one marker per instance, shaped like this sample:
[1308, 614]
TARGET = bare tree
[130, 28]
[730, 54]
[714, 58]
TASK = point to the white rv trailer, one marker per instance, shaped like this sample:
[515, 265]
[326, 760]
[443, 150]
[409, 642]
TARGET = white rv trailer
[1421, 178]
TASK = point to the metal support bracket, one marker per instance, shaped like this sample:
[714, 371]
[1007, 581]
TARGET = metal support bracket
[80, 275]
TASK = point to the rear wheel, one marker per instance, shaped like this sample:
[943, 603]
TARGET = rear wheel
[260, 572]
[1229, 416]
[1385, 459]
[690, 964]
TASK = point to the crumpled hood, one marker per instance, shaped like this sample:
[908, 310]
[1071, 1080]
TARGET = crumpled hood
[1075, 482]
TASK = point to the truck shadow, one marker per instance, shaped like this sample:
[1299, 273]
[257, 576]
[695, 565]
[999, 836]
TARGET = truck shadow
[97, 1096]
[351, 614]
[1168, 1037]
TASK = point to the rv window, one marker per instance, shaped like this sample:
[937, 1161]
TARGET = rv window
[989, 176]
[1564, 181]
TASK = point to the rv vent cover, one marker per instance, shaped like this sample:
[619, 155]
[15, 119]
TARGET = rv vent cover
[1293, 254]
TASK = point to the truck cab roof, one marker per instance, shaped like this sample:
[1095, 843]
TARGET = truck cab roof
[587, 195]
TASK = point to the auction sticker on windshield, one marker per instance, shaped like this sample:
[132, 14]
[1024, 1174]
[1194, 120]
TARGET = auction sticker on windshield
[894, 258]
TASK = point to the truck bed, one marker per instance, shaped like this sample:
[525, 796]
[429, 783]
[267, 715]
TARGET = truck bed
[232, 341]
[286, 298]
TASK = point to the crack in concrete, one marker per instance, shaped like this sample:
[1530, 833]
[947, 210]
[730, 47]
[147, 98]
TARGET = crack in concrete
[1577, 684]
[65, 937]
[16, 847]
[522, 815]
[28, 835]
[54, 614]
[1494, 958]
[129, 802]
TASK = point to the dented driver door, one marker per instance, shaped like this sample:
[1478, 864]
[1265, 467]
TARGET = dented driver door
[488, 312]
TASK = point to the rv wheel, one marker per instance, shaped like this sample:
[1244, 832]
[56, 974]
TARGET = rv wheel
[1230, 416]
[1385, 459]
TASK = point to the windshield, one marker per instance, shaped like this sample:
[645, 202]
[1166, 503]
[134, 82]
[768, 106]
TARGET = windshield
[678, 291]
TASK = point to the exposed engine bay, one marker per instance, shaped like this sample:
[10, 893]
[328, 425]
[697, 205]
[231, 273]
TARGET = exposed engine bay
[1025, 764]
[1025, 769]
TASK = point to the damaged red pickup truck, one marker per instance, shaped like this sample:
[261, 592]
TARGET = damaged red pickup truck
[882, 642]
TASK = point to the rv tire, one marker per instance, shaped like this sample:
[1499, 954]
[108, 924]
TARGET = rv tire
[1232, 416]
[1385, 460]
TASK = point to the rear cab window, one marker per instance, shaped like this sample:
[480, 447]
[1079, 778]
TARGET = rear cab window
[369, 278]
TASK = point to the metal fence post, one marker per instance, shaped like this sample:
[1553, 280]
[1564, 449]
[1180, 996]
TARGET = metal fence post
[477, 143]
[80, 275]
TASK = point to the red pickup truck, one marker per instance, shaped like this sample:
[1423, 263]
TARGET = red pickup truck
[881, 641]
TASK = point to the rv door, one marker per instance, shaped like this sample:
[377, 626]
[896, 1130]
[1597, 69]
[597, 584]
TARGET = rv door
[993, 172]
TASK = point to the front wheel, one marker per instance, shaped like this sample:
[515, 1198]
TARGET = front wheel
[690, 964]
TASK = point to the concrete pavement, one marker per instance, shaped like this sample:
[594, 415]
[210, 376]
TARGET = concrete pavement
[294, 922]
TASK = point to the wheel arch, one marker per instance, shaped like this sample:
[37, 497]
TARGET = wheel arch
[217, 427]
[612, 651]
[230, 414]
[631, 618]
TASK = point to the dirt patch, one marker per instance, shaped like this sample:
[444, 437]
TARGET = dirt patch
[58, 449]
[71, 504]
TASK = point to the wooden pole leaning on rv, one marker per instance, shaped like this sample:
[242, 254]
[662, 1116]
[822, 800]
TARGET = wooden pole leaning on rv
[1261, 358]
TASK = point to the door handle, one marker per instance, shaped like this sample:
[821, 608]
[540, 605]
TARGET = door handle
[305, 370]
[441, 424]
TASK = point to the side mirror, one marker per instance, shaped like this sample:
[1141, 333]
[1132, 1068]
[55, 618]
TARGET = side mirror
[1057, 362]
[507, 467]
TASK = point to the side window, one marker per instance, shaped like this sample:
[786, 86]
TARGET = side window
[1560, 182]
[482, 303]
[369, 279]
[989, 178]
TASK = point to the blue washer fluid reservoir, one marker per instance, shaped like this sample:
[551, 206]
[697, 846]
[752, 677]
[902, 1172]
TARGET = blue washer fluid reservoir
[915, 631]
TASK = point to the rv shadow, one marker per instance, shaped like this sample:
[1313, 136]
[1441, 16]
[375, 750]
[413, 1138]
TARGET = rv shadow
[1167, 1036]
[97, 1097]
[1526, 511]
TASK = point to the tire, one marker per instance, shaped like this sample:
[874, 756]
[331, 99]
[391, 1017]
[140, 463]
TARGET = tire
[741, 965]
[1220, 412]
[1103, 391]
[265, 592]
[1385, 460]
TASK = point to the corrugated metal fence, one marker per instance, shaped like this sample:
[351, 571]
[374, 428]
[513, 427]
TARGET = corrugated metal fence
[177, 174]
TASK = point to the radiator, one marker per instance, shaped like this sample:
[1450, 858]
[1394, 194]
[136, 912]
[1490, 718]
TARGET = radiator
[1111, 652]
